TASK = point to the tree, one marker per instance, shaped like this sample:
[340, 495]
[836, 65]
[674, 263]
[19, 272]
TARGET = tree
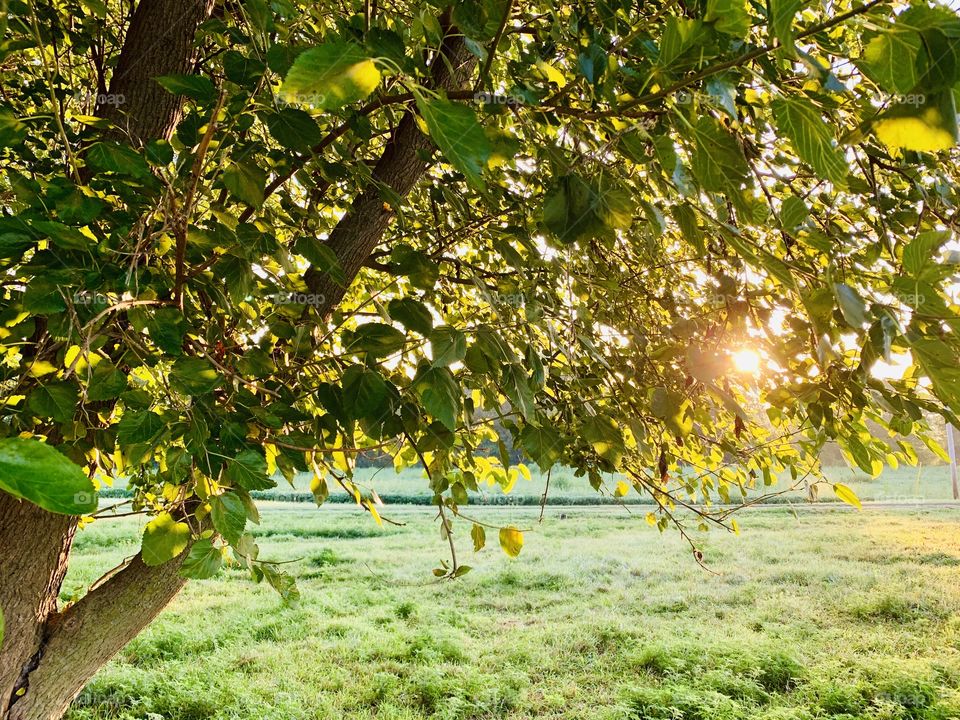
[242, 238]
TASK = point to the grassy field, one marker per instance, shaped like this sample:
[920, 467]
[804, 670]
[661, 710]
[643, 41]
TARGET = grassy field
[822, 613]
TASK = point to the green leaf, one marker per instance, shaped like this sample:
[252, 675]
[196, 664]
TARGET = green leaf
[447, 346]
[283, 583]
[718, 161]
[330, 76]
[167, 327]
[422, 271]
[137, 427]
[730, 17]
[811, 137]
[793, 212]
[847, 495]
[36, 472]
[194, 376]
[440, 394]
[12, 131]
[890, 60]
[229, 515]
[377, 340]
[412, 314]
[164, 539]
[543, 445]
[852, 306]
[204, 560]
[246, 182]
[106, 382]
[516, 386]
[674, 409]
[248, 470]
[294, 129]
[458, 134]
[782, 15]
[55, 400]
[511, 540]
[195, 87]
[605, 436]
[112, 157]
[364, 393]
[63, 236]
[921, 252]
[576, 208]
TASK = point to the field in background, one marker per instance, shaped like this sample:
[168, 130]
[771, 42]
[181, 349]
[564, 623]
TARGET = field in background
[829, 613]
[905, 485]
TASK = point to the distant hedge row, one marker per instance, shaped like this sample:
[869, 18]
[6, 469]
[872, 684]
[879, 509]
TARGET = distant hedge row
[424, 499]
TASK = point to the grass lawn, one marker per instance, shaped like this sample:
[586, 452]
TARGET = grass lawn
[826, 613]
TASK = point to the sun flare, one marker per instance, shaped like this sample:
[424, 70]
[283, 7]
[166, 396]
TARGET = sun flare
[746, 361]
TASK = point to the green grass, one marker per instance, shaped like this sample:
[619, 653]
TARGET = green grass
[830, 614]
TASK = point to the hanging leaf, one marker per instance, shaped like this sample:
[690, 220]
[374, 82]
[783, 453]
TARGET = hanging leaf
[458, 134]
[34, 471]
[511, 540]
[330, 76]
[164, 539]
[810, 134]
[847, 495]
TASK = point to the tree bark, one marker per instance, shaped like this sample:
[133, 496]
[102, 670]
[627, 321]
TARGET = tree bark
[47, 656]
[34, 545]
[159, 42]
[80, 640]
[400, 166]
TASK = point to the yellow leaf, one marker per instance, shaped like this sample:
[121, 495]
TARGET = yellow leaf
[511, 540]
[271, 452]
[735, 526]
[524, 470]
[373, 511]
[926, 126]
[651, 519]
[847, 495]
[41, 368]
[621, 489]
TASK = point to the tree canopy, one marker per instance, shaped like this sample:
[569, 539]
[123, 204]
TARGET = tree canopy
[385, 225]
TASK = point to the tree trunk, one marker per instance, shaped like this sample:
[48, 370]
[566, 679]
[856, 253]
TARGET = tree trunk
[400, 166]
[81, 639]
[48, 656]
[159, 42]
[33, 560]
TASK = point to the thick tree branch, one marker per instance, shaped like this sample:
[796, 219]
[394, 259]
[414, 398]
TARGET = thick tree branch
[86, 635]
[400, 166]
